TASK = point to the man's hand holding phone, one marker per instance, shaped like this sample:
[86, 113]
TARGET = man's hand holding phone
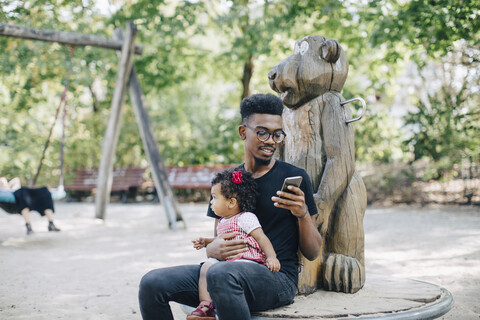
[291, 197]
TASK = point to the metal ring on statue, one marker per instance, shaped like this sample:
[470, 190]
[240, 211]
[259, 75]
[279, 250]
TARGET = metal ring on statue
[362, 113]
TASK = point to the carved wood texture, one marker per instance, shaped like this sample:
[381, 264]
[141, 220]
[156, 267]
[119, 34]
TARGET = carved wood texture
[320, 141]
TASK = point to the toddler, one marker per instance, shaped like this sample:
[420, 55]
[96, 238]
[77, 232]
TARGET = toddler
[233, 197]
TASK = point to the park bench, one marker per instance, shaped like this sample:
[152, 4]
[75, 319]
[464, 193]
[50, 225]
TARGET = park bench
[191, 183]
[126, 181]
[193, 176]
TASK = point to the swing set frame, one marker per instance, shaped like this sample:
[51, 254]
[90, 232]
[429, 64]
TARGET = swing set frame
[126, 78]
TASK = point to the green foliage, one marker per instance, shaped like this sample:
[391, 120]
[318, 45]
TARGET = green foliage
[166, 29]
[423, 26]
[265, 31]
[33, 75]
[201, 129]
[435, 35]
[446, 129]
[377, 138]
[191, 73]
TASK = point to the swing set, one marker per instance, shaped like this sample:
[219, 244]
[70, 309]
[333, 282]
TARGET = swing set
[62, 106]
[126, 77]
[8, 202]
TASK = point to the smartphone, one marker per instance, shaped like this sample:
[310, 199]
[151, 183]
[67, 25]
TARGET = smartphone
[291, 181]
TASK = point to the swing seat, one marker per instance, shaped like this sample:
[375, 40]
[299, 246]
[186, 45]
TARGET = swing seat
[58, 193]
[9, 207]
[7, 196]
[8, 202]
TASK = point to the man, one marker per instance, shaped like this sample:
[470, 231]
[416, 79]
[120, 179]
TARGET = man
[286, 218]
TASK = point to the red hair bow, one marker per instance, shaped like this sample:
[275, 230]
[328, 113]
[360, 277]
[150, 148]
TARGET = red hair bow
[237, 177]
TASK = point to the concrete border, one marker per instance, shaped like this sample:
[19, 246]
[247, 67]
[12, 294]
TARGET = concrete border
[432, 310]
[428, 310]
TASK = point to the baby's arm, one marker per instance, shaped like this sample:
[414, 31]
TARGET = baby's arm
[201, 242]
[272, 262]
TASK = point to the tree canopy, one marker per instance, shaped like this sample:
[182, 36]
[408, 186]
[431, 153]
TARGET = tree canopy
[201, 57]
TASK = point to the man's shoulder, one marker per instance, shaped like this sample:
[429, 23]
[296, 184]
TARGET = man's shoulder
[290, 168]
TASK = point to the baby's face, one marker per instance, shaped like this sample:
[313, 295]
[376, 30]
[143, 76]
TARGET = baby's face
[219, 203]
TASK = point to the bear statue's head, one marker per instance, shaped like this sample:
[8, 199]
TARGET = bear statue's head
[317, 65]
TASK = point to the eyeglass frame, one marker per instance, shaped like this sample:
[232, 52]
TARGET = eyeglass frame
[270, 134]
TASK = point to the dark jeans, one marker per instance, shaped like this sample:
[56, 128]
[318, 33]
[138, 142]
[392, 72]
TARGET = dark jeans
[237, 288]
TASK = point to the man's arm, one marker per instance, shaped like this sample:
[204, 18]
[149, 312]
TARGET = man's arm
[221, 249]
[310, 240]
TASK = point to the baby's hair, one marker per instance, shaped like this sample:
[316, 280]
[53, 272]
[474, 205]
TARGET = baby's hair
[260, 103]
[245, 192]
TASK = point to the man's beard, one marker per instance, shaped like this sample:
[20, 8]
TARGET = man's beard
[262, 162]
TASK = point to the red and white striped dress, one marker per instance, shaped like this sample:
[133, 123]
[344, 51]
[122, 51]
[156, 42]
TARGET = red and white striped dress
[243, 223]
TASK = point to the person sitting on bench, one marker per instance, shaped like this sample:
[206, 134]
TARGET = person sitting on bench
[237, 289]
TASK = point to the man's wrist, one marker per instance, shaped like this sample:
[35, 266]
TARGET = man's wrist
[306, 212]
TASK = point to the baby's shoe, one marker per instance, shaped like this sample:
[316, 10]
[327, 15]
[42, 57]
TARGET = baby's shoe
[204, 311]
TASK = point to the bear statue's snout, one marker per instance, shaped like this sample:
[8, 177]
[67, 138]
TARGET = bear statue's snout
[272, 74]
[272, 79]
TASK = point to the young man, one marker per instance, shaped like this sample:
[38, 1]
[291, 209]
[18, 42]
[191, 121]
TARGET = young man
[286, 218]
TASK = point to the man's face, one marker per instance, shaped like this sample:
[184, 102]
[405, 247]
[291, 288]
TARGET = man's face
[261, 151]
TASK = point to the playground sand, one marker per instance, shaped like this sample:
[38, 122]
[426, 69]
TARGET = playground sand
[91, 269]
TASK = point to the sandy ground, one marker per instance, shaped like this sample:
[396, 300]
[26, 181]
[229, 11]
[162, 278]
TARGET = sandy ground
[91, 269]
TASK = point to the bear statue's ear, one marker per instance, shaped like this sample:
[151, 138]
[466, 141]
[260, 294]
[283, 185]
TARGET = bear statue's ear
[330, 50]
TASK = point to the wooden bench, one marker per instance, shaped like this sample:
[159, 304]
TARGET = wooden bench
[191, 183]
[193, 176]
[125, 180]
[129, 180]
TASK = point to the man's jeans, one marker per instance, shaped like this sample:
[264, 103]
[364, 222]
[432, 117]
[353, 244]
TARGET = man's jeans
[237, 288]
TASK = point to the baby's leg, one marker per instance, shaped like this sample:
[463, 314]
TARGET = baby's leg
[205, 309]
[203, 294]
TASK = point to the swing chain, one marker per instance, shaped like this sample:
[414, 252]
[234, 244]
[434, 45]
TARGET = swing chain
[62, 104]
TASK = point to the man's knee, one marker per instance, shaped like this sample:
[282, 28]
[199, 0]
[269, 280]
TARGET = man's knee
[217, 273]
[147, 283]
[222, 276]
[154, 283]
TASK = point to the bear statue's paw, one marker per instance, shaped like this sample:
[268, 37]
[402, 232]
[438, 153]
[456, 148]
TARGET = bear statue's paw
[343, 273]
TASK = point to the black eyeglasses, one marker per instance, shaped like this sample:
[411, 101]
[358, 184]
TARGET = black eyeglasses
[264, 135]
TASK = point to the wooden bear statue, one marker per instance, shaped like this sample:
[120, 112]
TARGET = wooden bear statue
[320, 140]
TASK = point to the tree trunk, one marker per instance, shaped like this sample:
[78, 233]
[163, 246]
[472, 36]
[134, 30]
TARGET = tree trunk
[247, 76]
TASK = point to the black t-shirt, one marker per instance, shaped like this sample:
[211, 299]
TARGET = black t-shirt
[280, 225]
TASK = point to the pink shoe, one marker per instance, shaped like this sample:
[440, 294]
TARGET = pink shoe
[204, 311]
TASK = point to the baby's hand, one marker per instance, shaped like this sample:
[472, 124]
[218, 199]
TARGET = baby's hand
[273, 264]
[199, 243]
